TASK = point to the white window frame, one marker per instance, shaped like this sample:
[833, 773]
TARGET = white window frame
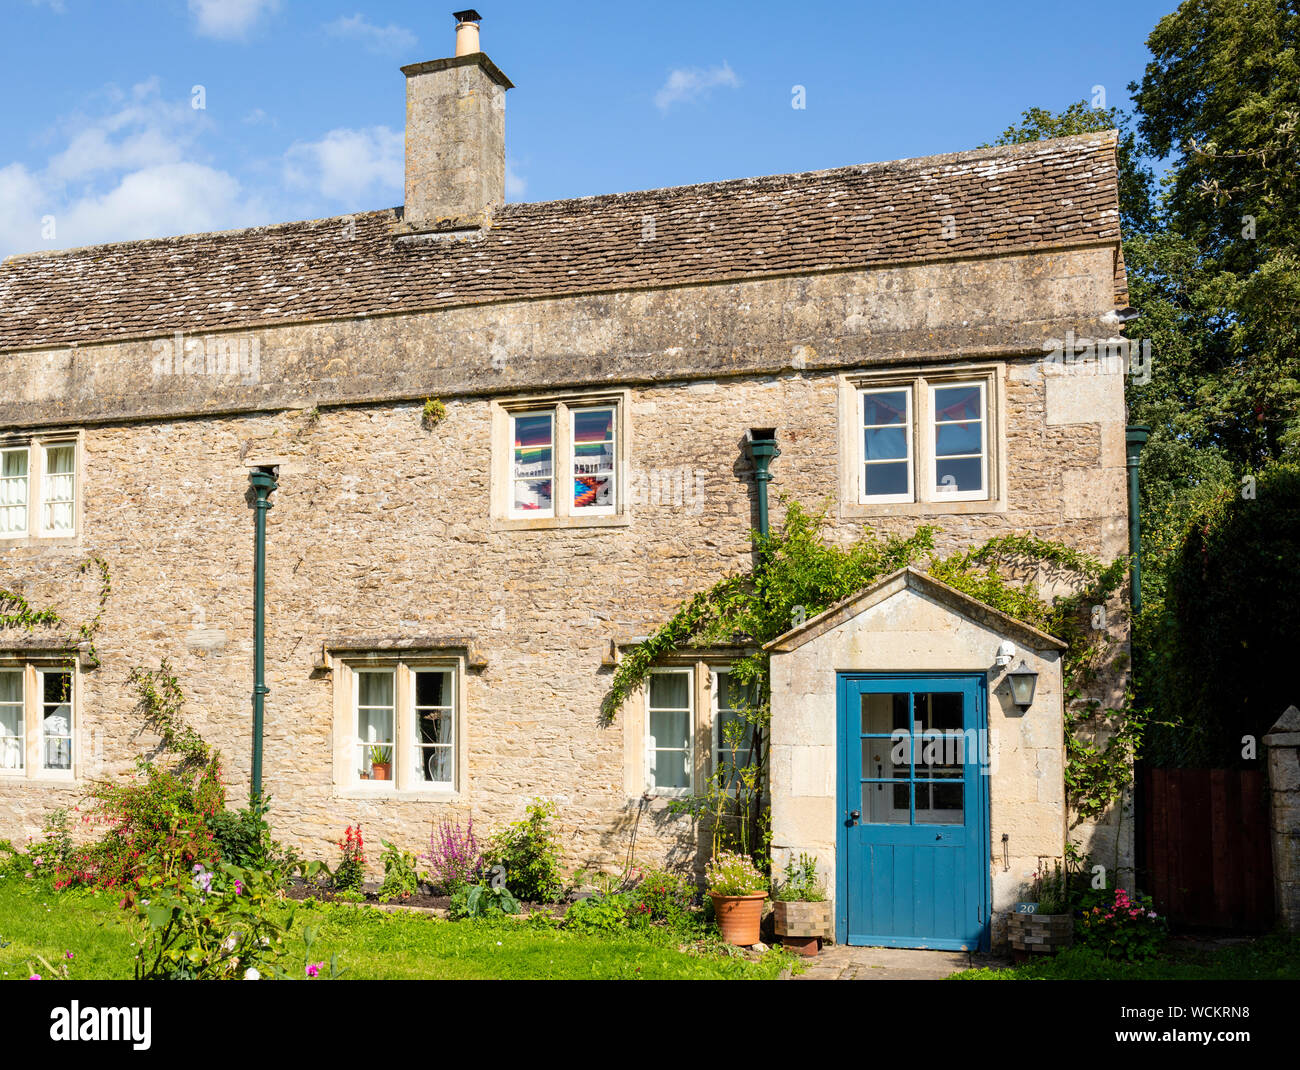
[26, 479]
[908, 428]
[563, 512]
[403, 779]
[38, 479]
[689, 672]
[715, 691]
[33, 744]
[934, 422]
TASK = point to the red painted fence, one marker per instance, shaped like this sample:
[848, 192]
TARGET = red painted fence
[1208, 861]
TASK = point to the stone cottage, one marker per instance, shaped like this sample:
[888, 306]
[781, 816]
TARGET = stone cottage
[445, 598]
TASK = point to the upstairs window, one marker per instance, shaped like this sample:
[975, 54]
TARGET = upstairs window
[38, 489]
[960, 471]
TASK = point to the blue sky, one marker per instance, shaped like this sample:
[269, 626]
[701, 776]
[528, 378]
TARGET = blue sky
[303, 102]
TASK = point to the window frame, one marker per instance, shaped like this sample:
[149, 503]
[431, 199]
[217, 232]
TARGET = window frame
[909, 437]
[32, 673]
[932, 431]
[563, 512]
[37, 448]
[402, 783]
[923, 380]
[691, 674]
[716, 672]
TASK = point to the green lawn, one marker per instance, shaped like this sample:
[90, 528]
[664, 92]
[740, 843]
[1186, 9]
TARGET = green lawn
[1268, 958]
[371, 944]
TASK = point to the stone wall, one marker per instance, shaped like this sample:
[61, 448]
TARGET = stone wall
[380, 525]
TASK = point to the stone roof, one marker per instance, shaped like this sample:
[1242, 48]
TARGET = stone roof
[1046, 194]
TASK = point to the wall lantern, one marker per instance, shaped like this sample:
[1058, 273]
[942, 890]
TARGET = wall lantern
[1023, 681]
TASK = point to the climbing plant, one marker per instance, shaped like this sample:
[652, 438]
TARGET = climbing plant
[798, 573]
[17, 612]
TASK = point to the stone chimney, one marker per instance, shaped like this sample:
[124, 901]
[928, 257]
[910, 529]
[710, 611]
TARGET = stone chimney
[455, 137]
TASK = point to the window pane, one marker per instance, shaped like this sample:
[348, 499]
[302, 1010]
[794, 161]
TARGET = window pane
[956, 475]
[534, 495]
[885, 804]
[885, 407]
[670, 690]
[950, 439]
[887, 758]
[593, 458]
[884, 713]
[669, 769]
[957, 403]
[58, 487]
[12, 734]
[670, 728]
[13, 492]
[943, 804]
[374, 688]
[885, 443]
[433, 688]
[886, 479]
[435, 765]
[56, 723]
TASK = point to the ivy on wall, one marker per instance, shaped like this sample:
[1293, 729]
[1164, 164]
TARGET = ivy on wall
[17, 612]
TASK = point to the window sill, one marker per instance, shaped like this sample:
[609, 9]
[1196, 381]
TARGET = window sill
[434, 795]
[45, 781]
[935, 508]
[542, 523]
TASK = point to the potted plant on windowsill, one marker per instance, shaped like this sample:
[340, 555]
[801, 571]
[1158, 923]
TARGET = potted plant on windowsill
[801, 913]
[381, 764]
[738, 891]
[1043, 923]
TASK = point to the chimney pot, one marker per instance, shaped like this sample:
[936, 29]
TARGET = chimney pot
[467, 32]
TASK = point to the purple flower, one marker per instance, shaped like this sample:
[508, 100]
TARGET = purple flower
[239, 887]
[314, 968]
[67, 954]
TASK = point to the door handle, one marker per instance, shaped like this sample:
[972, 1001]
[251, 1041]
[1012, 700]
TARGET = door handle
[854, 815]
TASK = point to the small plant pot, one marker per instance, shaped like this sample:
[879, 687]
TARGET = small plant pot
[1039, 934]
[802, 920]
[381, 770]
[739, 917]
[802, 945]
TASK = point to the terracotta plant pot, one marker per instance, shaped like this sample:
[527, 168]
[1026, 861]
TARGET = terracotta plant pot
[739, 916]
[380, 770]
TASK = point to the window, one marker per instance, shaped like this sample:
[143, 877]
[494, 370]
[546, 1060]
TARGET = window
[51, 511]
[732, 731]
[402, 726]
[37, 729]
[925, 442]
[670, 754]
[558, 461]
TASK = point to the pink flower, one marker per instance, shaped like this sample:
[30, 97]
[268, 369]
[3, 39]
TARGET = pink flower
[314, 968]
[67, 954]
[34, 977]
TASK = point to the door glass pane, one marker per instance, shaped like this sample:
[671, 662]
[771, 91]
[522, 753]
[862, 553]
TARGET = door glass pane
[885, 804]
[886, 759]
[939, 709]
[884, 713]
[940, 803]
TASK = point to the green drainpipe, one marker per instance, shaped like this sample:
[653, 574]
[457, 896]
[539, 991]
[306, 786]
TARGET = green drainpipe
[264, 485]
[762, 448]
[1135, 438]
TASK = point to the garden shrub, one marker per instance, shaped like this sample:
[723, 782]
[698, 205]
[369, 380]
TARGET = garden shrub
[482, 901]
[243, 838]
[529, 851]
[400, 879]
[1121, 926]
[662, 898]
[351, 871]
[156, 814]
[454, 859]
[801, 883]
[599, 914]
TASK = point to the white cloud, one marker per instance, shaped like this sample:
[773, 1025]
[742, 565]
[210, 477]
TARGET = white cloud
[387, 40]
[347, 165]
[229, 19]
[515, 183]
[688, 83]
[21, 198]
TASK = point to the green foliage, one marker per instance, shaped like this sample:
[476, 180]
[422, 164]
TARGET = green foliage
[662, 898]
[529, 850]
[160, 702]
[17, 612]
[599, 914]
[1231, 580]
[729, 873]
[400, 878]
[351, 870]
[801, 883]
[434, 412]
[1120, 926]
[208, 923]
[482, 901]
[243, 838]
[1049, 888]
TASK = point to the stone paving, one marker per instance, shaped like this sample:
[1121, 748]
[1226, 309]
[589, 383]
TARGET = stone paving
[843, 963]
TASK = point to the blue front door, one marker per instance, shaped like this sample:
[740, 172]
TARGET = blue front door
[913, 853]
